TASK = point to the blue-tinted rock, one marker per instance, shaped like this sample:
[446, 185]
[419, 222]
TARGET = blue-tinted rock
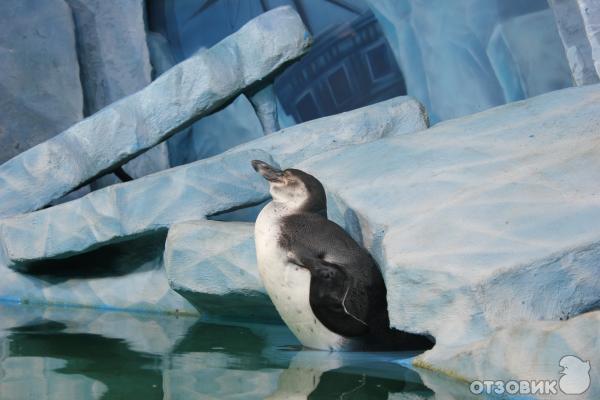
[114, 62]
[161, 56]
[191, 192]
[590, 12]
[529, 351]
[235, 124]
[289, 146]
[127, 276]
[213, 264]
[112, 50]
[517, 49]
[577, 47]
[441, 48]
[188, 91]
[265, 106]
[126, 211]
[479, 215]
[39, 84]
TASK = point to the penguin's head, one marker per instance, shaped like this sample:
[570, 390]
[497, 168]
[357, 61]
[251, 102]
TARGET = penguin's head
[296, 189]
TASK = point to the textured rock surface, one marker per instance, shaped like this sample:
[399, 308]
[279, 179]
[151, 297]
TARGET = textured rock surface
[40, 90]
[577, 47]
[114, 61]
[517, 49]
[590, 12]
[161, 56]
[181, 194]
[195, 190]
[528, 351]
[427, 34]
[127, 276]
[235, 124]
[265, 105]
[482, 221]
[213, 264]
[112, 50]
[120, 131]
[289, 146]
[146, 205]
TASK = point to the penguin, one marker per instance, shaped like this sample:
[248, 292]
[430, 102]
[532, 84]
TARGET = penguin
[327, 289]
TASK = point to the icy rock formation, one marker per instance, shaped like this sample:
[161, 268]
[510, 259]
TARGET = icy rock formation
[128, 276]
[577, 47]
[479, 222]
[442, 49]
[235, 124]
[126, 211]
[193, 191]
[517, 49]
[264, 102]
[36, 48]
[120, 131]
[162, 59]
[112, 49]
[114, 61]
[190, 192]
[590, 12]
[527, 351]
[213, 264]
[394, 117]
[161, 56]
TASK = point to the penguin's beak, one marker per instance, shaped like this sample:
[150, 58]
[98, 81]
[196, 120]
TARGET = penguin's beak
[268, 172]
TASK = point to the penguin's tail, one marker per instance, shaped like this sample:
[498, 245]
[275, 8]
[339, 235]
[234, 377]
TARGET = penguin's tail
[390, 339]
[382, 337]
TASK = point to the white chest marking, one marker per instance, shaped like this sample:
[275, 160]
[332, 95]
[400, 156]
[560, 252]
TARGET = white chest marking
[288, 285]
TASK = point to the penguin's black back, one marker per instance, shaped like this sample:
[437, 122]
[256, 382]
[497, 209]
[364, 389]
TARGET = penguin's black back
[347, 292]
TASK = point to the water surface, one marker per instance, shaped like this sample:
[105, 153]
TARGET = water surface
[72, 353]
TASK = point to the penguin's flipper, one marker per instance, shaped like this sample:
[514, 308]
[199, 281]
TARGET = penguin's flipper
[335, 301]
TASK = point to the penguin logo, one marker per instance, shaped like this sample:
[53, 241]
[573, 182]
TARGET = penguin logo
[575, 377]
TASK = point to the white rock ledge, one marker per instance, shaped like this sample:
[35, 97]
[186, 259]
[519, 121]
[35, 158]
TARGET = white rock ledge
[213, 265]
[193, 191]
[119, 132]
[126, 211]
[483, 221]
[528, 351]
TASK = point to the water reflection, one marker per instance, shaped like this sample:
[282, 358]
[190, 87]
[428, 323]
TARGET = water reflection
[50, 353]
[123, 373]
[322, 375]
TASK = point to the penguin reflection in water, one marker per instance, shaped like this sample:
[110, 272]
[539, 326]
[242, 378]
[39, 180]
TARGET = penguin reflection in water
[327, 289]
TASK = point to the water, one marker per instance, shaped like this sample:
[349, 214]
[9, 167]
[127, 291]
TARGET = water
[72, 353]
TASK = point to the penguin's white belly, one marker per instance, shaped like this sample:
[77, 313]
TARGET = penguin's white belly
[288, 287]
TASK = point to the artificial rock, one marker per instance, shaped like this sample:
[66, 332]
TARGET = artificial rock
[532, 350]
[39, 86]
[127, 211]
[577, 47]
[213, 264]
[122, 130]
[482, 221]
